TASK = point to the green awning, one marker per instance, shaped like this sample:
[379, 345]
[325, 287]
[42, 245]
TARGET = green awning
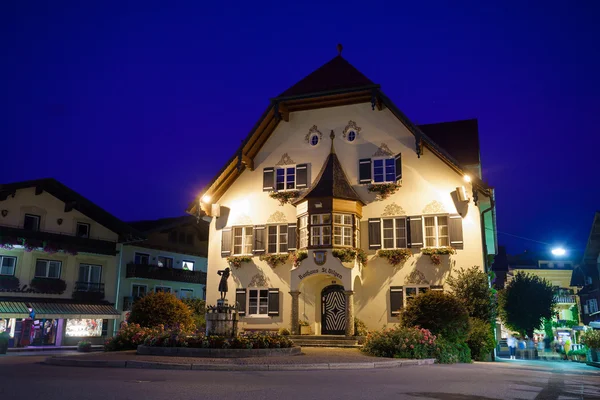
[74, 311]
[13, 309]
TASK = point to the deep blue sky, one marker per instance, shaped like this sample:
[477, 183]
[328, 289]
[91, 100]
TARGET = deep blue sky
[136, 105]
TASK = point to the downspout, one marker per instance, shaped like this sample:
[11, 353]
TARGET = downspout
[485, 250]
[117, 296]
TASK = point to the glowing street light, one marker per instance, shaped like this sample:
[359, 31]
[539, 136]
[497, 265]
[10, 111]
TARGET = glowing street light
[558, 251]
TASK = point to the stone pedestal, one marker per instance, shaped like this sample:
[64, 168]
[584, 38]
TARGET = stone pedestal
[349, 312]
[222, 320]
[295, 312]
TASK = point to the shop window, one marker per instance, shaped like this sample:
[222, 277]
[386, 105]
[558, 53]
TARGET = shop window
[436, 231]
[83, 327]
[104, 327]
[47, 269]
[173, 237]
[592, 306]
[258, 302]
[7, 265]
[141, 259]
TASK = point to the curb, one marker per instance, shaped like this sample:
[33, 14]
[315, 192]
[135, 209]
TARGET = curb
[68, 362]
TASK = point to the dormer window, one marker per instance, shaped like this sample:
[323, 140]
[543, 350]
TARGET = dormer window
[31, 222]
[83, 230]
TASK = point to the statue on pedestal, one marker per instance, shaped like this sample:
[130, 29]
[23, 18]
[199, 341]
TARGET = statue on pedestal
[223, 288]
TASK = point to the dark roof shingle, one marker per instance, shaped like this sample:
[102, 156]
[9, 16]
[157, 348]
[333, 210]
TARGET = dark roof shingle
[459, 138]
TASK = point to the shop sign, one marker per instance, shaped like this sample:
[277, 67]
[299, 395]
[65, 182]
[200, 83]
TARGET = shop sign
[327, 271]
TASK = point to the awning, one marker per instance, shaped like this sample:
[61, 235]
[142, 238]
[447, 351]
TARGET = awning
[13, 309]
[74, 311]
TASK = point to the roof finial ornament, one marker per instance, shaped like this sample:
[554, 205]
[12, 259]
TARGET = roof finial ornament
[339, 49]
[332, 136]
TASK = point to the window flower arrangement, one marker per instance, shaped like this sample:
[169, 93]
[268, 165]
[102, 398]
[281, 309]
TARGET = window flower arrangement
[349, 255]
[297, 257]
[237, 261]
[395, 256]
[435, 252]
[284, 197]
[29, 247]
[384, 190]
[49, 248]
[6, 246]
[275, 259]
[84, 346]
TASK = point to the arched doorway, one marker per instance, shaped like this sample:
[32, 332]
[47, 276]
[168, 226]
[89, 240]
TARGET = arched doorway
[333, 310]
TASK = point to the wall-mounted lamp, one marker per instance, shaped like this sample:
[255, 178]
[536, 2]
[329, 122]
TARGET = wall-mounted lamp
[4, 213]
[206, 199]
[467, 178]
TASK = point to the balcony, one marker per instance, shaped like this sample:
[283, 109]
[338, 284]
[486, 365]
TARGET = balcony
[149, 271]
[565, 299]
[88, 291]
[54, 241]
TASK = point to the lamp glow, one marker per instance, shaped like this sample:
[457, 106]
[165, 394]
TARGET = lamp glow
[206, 198]
[467, 178]
[559, 251]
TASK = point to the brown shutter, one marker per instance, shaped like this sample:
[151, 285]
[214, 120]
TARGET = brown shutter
[455, 231]
[364, 170]
[225, 242]
[301, 176]
[268, 179]
[398, 159]
[259, 239]
[396, 300]
[416, 232]
[273, 308]
[292, 245]
[240, 301]
[374, 233]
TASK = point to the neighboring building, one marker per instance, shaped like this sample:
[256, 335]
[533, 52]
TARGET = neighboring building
[587, 277]
[172, 259]
[58, 265]
[322, 144]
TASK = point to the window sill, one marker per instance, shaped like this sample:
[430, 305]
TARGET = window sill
[257, 316]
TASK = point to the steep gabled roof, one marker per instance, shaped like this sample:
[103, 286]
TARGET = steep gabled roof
[334, 75]
[74, 200]
[459, 138]
[331, 182]
[592, 248]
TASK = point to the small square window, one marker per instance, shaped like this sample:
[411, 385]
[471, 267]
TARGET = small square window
[83, 230]
[31, 222]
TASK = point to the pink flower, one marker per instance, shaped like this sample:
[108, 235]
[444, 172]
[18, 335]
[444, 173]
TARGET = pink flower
[431, 342]
[412, 347]
[406, 340]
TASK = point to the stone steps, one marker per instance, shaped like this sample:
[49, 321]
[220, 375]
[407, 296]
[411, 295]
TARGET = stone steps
[325, 341]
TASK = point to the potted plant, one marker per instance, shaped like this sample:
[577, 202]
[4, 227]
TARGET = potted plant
[4, 338]
[84, 346]
[304, 328]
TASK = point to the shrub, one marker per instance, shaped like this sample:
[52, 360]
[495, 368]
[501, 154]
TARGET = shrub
[284, 331]
[591, 338]
[176, 338]
[130, 336]
[481, 340]
[84, 346]
[198, 309]
[472, 287]
[450, 352]
[401, 342]
[360, 328]
[161, 308]
[442, 313]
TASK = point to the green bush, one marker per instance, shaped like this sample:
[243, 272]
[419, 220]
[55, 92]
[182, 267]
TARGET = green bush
[591, 338]
[130, 336]
[161, 308]
[481, 340]
[441, 313]
[198, 309]
[401, 342]
[360, 328]
[450, 352]
[284, 331]
[175, 338]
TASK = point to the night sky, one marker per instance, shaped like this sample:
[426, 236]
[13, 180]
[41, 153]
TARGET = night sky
[136, 105]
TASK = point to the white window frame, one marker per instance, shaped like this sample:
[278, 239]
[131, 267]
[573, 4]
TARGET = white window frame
[37, 217]
[285, 178]
[319, 227]
[14, 266]
[163, 287]
[419, 289]
[141, 254]
[351, 131]
[88, 274]
[186, 290]
[258, 306]
[394, 233]
[246, 240]
[89, 229]
[393, 159]
[303, 231]
[165, 257]
[592, 306]
[280, 230]
[133, 294]
[346, 230]
[436, 228]
[183, 262]
[48, 268]
[310, 139]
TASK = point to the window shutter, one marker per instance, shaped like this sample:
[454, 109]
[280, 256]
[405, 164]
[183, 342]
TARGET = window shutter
[416, 232]
[273, 302]
[292, 245]
[396, 300]
[455, 231]
[259, 239]
[268, 179]
[301, 176]
[398, 159]
[240, 301]
[438, 288]
[225, 242]
[364, 170]
[374, 233]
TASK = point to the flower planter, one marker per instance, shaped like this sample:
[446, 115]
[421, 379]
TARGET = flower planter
[305, 330]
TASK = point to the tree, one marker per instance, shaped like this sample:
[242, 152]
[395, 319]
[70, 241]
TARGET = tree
[525, 302]
[161, 309]
[472, 287]
[198, 308]
[441, 313]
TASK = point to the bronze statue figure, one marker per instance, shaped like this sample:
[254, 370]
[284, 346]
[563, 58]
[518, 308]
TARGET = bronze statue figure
[224, 273]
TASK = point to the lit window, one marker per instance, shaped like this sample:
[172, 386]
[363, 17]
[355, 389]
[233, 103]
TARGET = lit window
[277, 239]
[31, 222]
[242, 240]
[285, 178]
[436, 231]
[7, 265]
[410, 292]
[384, 170]
[351, 136]
[47, 269]
[188, 265]
[141, 259]
[83, 230]
[342, 229]
[394, 233]
[165, 262]
[258, 302]
[303, 229]
[314, 139]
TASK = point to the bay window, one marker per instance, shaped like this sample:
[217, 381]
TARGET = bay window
[320, 230]
[342, 229]
[303, 227]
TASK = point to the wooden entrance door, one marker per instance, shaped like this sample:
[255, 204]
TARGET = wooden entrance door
[333, 310]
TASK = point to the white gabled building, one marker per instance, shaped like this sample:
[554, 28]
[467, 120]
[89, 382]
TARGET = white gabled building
[329, 144]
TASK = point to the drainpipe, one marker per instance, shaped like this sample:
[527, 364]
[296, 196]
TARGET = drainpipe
[485, 249]
[117, 296]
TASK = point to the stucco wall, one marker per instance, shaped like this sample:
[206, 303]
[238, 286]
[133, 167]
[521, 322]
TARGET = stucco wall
[426, 189]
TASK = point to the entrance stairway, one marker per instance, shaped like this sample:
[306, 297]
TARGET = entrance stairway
[325, 341]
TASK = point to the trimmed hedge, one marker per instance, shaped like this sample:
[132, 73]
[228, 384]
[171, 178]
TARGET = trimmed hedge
[161, 308]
